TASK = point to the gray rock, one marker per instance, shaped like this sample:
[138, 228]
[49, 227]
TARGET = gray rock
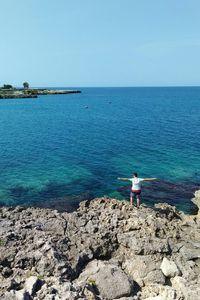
[144, 269]
[156, 298]
[189, 291]
[113, 283]
[126, 298]
[109, 279]
[143, 245]
[105, 245]
[190, 253]
[154, 277]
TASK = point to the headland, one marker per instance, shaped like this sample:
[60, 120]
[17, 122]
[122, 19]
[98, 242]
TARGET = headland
[10, 92]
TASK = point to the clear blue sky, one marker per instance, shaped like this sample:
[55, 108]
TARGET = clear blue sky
[100, 42]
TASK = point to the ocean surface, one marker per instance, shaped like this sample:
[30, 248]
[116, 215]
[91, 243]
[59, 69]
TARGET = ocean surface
[60, 149]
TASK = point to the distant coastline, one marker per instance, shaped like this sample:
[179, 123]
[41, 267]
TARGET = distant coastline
[10, 92]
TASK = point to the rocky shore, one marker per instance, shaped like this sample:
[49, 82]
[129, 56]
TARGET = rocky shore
[106, 249]
[56, 92]
[32, 93]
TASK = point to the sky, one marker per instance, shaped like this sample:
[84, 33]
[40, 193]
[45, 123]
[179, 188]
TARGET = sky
[77, 43]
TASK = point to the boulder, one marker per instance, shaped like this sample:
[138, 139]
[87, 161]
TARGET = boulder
[144, 269]
[109, 279]
[190, 252]
[169, 268]
[154, 276]
[32, 285]
[113, 283]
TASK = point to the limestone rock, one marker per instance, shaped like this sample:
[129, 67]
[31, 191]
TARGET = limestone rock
[109, 279]
[17, 295]
[196, 200]
[106, 249]
[144, 269]
[154, 276]
[169, 268]
[190, 252]
[189, 291]
[113, 283]
[155, 298]
[32, 285]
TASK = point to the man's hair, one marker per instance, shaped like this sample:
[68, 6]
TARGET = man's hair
[135, 174]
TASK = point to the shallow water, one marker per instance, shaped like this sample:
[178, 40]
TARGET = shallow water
[57, 150]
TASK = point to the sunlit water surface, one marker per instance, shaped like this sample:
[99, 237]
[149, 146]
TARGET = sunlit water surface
[57, 150]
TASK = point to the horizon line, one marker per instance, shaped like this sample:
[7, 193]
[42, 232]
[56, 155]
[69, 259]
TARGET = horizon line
[104, 86]
[123, 86]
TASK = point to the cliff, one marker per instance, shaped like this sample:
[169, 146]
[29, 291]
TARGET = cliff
[106, 249]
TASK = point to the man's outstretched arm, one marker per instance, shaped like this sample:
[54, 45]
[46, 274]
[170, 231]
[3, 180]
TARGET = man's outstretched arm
[148, 179]
[123, 178]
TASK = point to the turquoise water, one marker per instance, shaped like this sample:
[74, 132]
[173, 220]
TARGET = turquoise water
[57, 150]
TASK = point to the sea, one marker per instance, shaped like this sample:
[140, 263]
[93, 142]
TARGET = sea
[58, 150]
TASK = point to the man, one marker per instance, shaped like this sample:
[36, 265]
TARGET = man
[136, 187]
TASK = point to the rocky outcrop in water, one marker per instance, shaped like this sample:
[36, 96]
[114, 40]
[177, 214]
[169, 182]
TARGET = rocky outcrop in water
[106, 249]
[15, 93]
[196, 201]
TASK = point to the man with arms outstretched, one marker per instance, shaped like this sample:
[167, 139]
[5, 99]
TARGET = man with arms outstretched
[136, 187]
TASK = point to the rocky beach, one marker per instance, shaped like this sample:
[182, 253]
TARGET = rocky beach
[106, 249]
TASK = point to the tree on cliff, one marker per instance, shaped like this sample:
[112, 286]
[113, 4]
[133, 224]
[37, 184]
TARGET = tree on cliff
[26, 85]
[7, 87]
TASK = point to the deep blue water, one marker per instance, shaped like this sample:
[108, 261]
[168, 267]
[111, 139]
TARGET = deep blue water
[57, 150]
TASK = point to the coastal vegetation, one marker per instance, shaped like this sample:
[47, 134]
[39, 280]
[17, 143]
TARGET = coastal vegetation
[26, 85]
[7, 91]
[7, 87]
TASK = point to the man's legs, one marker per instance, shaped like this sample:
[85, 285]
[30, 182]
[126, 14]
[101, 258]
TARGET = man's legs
[137, 195]
[138, 200]
[131, 198]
